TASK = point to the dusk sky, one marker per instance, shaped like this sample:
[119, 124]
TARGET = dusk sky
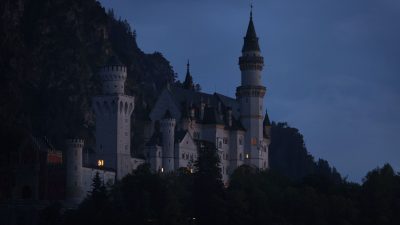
[332, 67]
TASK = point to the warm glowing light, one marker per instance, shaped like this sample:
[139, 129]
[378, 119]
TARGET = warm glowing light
[247, 156]
[100, 163]
[191, 170]
[162, 170]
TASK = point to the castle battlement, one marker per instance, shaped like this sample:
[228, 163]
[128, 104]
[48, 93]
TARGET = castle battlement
[113, 78]
[75, 143]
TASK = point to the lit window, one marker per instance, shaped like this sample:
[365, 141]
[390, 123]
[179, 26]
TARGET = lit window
[162, 170]
[100, 163]
[254, 141]
[247, 156]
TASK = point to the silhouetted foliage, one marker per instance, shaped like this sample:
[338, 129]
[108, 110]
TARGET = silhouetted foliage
[288, 155]
[253, 197]
[208, 190]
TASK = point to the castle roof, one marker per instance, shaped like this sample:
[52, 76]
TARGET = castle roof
[215, 111]
[188, 83]
[167, 115]
[251, 39]
[180, 135]
[266, 122]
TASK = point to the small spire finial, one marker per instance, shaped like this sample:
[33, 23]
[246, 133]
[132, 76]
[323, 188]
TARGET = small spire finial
[251, 10]
[188, 66]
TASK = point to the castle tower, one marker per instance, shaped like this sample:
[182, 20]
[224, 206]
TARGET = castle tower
[113, 120]
[74, 187]
[167, 126]
[250, 96]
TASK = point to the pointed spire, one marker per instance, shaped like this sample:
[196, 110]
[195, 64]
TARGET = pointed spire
[188, 83]
[188, 68]
[251, 39]
[266, 122]
[251, 11]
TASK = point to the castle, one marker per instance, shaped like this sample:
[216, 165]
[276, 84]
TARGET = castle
[180, 121]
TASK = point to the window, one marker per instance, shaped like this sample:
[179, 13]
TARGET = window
[225, 140]
[240, 156]
[100, 163]
[247, 156]
[240, 141]
[253, 141]
[183, 155]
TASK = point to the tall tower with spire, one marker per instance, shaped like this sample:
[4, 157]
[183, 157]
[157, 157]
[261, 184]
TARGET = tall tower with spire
[250, 96]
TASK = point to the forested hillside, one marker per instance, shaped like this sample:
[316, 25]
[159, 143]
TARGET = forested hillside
[50, 54]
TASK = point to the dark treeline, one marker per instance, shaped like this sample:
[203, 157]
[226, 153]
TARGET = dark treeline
[253, 197]
[288, 155]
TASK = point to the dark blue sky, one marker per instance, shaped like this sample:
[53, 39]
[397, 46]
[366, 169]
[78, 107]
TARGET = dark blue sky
[332, 67]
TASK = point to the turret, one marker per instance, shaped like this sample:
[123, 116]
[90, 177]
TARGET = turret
[113, 119]
[167, 126]
[250, 95]
[267, 126]
[74, 187]
[113, 76]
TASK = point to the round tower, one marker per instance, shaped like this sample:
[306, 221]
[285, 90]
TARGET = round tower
[74, 187]
[113, 76]
[113, 119]
[250, 95]
[167, 127]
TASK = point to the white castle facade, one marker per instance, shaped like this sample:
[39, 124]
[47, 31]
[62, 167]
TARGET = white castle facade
[181, 120]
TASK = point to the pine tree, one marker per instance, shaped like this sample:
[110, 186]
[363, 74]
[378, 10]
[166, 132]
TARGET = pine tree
[209, 192]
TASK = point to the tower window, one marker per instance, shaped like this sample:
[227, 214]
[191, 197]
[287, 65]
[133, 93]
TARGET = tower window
[253, 141]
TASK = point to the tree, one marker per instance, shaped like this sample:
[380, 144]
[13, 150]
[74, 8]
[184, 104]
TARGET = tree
[209, 192]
